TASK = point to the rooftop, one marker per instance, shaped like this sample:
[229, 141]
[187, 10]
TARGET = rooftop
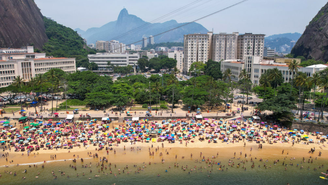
[318, 66]
[52, 58]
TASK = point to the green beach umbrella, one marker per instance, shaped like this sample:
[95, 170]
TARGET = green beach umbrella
[22, 118]
[26, 127]
[6, 122]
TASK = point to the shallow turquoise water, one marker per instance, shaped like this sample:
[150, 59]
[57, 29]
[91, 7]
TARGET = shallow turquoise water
[175, 175]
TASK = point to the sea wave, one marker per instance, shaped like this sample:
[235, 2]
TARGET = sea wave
[38, 163]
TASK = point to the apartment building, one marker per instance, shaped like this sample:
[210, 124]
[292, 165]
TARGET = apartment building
[225, 46]
[117, 59]
[250, 44]
[144, 42]
[268, 52]
[222, 46]
[27, 64]
[179, 57]
[151, 40]
[197, 48]
[102, 45]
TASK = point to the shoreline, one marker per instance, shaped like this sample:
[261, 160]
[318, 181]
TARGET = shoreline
[129, 156]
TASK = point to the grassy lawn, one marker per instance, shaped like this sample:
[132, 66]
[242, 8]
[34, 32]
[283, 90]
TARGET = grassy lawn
[74, 102]
[18, 105]
[144, 109]
[9, 110]
[64, 109]
[81, 108]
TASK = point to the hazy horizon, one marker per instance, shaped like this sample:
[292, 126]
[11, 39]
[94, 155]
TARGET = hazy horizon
[255, 16]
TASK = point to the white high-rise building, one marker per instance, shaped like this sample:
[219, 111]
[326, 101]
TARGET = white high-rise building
[151, 40]
[197, 48]
[225, 46]
[133, 47]
[179, 57]
[250, 44]
[144, 42]
[114, 46]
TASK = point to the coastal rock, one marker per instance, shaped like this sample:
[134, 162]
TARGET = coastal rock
[21, 24]
[313, 44]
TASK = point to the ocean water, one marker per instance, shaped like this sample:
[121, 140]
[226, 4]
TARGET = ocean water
[202, 173]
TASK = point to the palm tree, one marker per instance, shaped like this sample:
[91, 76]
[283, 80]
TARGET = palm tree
[293, 68]
[301, 81]
[18, 83]
[227, 75]
[275, 75]
[315, 82]
[265, 83]
[244, 76]
[52, 76]
[194, 82]
[157, 88]
[39, 82]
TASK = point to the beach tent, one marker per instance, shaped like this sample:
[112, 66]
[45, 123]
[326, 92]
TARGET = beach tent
[199, 117]
[70, 116]
[256, 118]
[135, 119]
[105, 119]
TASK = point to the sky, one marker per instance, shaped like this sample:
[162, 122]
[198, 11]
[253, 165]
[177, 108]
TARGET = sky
[253, 16]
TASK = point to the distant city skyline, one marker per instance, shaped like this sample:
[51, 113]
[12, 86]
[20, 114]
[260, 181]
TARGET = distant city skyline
[255, 16]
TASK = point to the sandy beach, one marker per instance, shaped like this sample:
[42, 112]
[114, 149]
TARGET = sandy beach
[140, 150]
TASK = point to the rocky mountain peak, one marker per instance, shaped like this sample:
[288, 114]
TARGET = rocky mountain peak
[313, 44]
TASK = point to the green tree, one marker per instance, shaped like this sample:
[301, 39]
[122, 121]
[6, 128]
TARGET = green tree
[99, 99]
[293, 68]
[197, 67]
[120, 100]
[227, 76]
[92, 66]
[301, 81]
[213, 69]
[174, 94]
[314, 81]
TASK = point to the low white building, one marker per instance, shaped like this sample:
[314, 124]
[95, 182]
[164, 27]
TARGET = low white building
[116, 59]
[27, 64]
[255, 67]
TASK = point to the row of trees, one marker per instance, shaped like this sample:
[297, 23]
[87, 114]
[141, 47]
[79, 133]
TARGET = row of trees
[162, 62]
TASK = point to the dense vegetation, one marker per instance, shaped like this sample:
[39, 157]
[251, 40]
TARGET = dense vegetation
[65, 42]
[162, 62]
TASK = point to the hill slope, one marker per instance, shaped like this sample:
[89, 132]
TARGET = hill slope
[21, 24]
[313, 44]
[116, 30]
[65, 42]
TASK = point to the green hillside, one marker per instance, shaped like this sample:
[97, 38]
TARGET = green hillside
[65, 42]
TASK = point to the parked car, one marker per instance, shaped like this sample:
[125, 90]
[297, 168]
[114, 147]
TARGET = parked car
[250, 98]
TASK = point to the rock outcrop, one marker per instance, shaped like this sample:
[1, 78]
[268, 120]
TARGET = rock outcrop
[313, 44]
[21, 24]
